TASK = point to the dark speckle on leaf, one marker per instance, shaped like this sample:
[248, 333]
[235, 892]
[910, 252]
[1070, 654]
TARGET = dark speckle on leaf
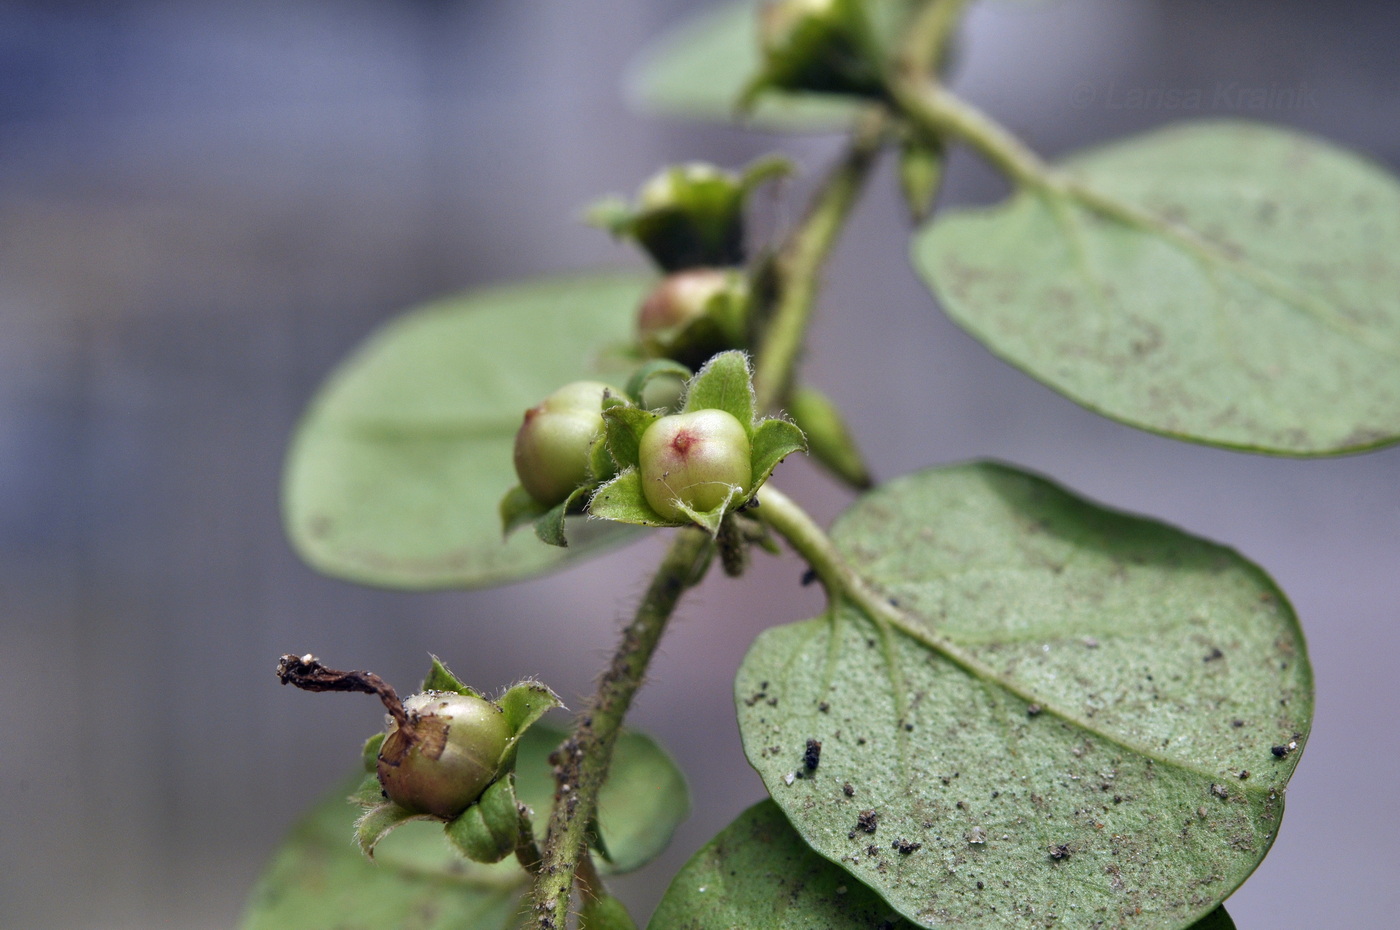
[867, 821]
[1060, 852]
[812, 755]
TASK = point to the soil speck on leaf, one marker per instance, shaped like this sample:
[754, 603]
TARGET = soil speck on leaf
[1060, 851]
[1033, 710]
[812, 756]
[867, 821]
[904, 847]
[848, 790]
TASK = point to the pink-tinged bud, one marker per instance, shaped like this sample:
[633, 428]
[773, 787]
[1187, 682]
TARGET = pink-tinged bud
[552, 445]
[696, 459]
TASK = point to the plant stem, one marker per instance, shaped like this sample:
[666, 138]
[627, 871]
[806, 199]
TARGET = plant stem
[803, 256]
[581, 764]
[811, 542]
[926, 40]
[933, 107]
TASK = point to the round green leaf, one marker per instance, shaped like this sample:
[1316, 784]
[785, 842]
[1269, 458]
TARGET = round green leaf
[319, 880]
[1227, 283]
[758, 873]
[1060, 710]
[643, 801]
[396, 472]
[698, 70]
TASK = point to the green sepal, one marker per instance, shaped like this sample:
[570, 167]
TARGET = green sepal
[379, 821]
[524, 704]
[725, 383]
[368, 792]
[710, 520]
[921, 160]
[828, 438]
[622, 500]
[699, 224]
[623, 429]
[440, 678]
[519, 508]
[604, 913]
[488, 830]
[832, 53]
[369, 754]
[600, 462]
[549, 526]
[773, 441]
[651, 371]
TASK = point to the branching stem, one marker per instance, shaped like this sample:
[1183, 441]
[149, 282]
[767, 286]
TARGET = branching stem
[581, 764]
[802, 257]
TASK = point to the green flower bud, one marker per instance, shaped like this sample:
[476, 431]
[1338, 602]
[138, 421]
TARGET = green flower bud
[447, 755]
[553, 444]
[697, 459]
[693, 314]
[821, 46]
[689, 215]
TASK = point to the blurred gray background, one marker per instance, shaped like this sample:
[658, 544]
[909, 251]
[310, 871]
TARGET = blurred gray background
[203, 206]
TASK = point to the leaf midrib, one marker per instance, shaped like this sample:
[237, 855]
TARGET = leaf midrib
[880, 612]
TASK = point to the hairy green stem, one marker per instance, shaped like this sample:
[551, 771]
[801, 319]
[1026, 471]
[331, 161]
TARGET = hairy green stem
[803, 256]
[581, 764]
[927, 37]
[936, 109]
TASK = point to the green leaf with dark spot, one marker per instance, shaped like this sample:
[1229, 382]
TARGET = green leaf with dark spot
[625, 426]
[622, 500]
[440, 678]
[1228, 283]
[724, 384]
[396, 472]
[773, 441]
[1068, 704]
[759, 873]
[319, 880]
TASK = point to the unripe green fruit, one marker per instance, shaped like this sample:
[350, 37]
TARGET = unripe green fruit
[669, 187]
[448, 758]
[679, 299]
[694, 458]
[779, 20]
[552, 446]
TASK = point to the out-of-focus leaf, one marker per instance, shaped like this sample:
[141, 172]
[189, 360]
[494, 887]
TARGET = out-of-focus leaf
[396, 473]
